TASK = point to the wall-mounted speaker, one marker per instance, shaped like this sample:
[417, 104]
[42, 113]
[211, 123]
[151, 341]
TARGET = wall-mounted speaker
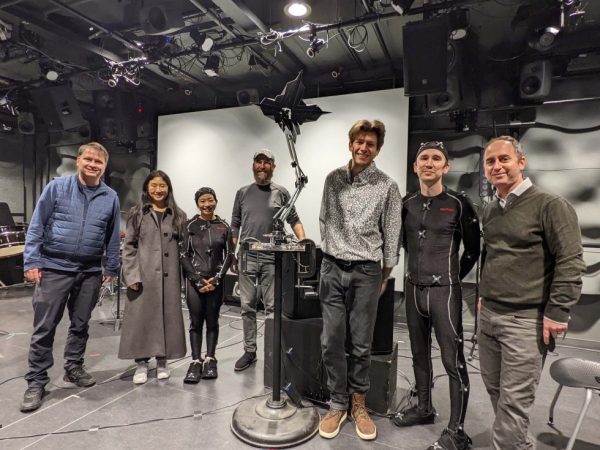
[114, 111]
[58, 107]
[159, 19]
[247, 97]
[424, 46]
[26, 123]
[447, 100]
[535, 80]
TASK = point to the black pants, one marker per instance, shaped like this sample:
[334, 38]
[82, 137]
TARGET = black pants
[78, 291]
[204, 307]
[349, 299]
[440, 307]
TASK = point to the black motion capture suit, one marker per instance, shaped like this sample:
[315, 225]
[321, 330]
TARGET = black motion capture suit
[206, 252]
[432, 231]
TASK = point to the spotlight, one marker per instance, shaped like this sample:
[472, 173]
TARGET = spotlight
[547, 37]
[202, 40]
[315, 46]
[297, 9]
[459, 23]
[211, 67]
[401, 6]
[52, 75]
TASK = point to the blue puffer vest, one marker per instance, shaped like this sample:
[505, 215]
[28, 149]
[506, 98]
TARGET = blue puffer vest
[75, 232]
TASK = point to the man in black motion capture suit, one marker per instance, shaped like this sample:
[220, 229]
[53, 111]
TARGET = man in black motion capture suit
[434, 222]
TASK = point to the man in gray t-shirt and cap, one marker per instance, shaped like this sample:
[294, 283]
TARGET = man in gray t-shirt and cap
[252, 217]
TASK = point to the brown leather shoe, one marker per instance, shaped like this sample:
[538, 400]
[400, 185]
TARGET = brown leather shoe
[365, 428]
[332, 422]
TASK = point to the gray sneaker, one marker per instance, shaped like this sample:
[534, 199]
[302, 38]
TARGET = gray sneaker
[32, 399]
[79, 377]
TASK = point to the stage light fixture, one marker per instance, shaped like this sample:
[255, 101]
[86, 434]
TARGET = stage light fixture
[202, 40]
[211, 67]
[297, 9]
[401, 6]
[547, 37]
[315, 46]
[52, 75]
[459, 23]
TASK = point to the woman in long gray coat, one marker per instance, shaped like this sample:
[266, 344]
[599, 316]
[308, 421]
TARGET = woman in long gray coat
[153, 323]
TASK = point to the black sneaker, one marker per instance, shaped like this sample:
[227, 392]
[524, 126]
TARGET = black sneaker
[450, 440]
[245, 361]
[413, 416]
[210, 368]
[194, 373]
[32, 399]
[79, 377]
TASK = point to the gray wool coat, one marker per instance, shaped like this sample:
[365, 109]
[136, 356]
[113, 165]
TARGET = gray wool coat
[153, 320]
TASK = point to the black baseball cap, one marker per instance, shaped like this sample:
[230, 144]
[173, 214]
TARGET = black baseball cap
[204, 190]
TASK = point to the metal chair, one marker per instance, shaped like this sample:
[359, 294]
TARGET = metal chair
[577, 373]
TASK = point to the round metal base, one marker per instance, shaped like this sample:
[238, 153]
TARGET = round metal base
[258, 423]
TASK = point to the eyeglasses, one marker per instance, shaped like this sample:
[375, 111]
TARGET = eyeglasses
[432, 144]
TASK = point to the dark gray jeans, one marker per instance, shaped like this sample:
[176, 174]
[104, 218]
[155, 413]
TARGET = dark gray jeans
[78, 291]
[349, 299]
[511, 358]
[257, 284]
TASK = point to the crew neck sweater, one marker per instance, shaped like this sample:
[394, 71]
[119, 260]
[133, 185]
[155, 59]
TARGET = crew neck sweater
[532, 262]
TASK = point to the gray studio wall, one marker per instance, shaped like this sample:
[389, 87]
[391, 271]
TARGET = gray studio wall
[562, 158]
[45, 156]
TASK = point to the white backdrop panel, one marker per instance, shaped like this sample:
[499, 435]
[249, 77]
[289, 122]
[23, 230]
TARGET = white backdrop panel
[215, 148]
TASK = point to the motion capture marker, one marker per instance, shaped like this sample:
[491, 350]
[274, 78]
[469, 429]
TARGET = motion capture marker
[198, 415]
[437, 279]
[422, 234]
[427, 206]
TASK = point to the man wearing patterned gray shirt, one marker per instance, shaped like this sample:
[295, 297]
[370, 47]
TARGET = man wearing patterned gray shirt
[360, 238]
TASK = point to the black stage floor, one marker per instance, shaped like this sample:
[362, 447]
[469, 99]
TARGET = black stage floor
[115, 414]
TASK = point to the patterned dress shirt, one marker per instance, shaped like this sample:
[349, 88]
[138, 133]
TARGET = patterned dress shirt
[361, 216]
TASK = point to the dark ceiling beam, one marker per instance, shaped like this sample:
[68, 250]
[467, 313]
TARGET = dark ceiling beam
[192, 77]
[369, 8]
[353, 54]
[54, 31]
[245, 10]
[232, 33]
[115, 35]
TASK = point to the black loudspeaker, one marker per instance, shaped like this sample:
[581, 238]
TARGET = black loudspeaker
[26, 123]
[300, 296]
[383, 335]
[231, 292]
[11, 269]
[123, 117]
[301, 362]
[535, 80]
[59, 108]
[247, 97]
[302, 365]
[447, 100]
[114, 111]
[160, 19]
[424, 50]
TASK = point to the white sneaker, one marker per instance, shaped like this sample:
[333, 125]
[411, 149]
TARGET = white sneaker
[162, 369]
[141, 373]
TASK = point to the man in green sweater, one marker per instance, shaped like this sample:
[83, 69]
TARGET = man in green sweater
[531, 277]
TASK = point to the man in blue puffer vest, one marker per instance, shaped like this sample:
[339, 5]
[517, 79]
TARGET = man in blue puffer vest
[74, 222]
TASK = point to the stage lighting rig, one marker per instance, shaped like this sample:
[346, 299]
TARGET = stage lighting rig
[315, 47]
[128, 70]
[212, 64]
[401, 6]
